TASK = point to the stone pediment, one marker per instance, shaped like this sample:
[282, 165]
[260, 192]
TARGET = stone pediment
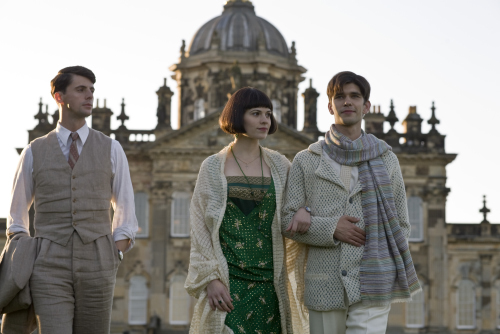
[205, 137]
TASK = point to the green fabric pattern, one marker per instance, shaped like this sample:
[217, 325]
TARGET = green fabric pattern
[241, 194]
[247, 245]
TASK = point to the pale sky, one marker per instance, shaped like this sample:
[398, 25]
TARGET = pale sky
[416, 52]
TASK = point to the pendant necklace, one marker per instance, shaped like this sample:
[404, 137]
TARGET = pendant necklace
[247, 163]
[262, 214]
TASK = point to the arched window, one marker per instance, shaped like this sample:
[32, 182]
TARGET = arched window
[415, 310]
[142, 213]
[466, 305]
[276, 109]
[180, 214]
[199, 109]
[138, 301]
[179, 301]
[416, 217]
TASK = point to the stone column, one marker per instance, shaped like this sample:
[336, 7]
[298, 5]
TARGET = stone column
[160, 199]
[488, 322]
[437, 308]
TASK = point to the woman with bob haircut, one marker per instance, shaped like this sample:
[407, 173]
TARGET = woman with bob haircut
[237, 269]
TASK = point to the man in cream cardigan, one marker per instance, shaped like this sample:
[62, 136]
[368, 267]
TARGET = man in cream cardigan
[345, 199]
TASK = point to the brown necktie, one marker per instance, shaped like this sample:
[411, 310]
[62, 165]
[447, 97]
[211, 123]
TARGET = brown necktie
[73, 151]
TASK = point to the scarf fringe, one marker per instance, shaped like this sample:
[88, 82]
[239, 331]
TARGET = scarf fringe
[393, 301]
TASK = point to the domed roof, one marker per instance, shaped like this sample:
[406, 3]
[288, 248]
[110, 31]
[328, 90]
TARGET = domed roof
[239, 29]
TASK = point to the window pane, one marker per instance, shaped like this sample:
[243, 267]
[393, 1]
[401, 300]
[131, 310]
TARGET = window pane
[199, 109]
[416, 217]
[179, 301]
[276, 109]
[138, 301]
[142, 213]
[415, 311]
[466, 304]
[180, 214]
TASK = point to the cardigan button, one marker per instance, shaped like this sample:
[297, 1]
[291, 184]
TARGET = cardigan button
[344, 273]
[350, 200]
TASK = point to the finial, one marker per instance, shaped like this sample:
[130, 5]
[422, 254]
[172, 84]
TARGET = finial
[46, 109]
[122, 117]
[392, 118]
[433, 120]
[97, 103]
[379, 109]
[164, 82]
[484, 210]
[40, 116]
[104, 103]
[310, 83]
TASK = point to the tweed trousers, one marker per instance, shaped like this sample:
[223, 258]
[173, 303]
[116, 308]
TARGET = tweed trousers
[72, 286]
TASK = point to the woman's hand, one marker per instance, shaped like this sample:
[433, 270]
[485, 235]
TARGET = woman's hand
[218, 296]
[300, 223]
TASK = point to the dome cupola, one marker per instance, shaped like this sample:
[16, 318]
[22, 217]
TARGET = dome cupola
[239, 29]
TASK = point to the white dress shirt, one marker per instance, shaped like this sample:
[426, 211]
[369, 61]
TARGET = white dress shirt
[124, 220]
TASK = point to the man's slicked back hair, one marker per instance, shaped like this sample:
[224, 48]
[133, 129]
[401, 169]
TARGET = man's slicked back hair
[65, 76]
[339, 80]
[231, 118]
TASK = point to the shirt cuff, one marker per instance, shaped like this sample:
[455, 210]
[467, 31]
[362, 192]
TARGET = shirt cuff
[124, 234]
[13, 229]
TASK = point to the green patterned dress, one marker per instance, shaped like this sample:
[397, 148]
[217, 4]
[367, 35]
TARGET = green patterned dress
[246, 239]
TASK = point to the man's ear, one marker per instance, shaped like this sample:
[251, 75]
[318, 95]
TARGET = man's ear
[366, 108]
[58, 97]
[330, 109]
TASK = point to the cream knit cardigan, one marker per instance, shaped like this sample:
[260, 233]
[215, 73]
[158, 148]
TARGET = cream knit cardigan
[207, 262]
[331, 266]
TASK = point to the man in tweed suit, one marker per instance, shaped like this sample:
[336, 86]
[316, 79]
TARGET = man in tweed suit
[74, 175]
[343, 194]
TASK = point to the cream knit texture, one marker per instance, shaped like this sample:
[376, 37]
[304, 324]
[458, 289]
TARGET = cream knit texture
[207, 261]
[331, 265]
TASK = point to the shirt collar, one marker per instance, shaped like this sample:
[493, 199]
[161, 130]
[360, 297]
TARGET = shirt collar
[64, 134]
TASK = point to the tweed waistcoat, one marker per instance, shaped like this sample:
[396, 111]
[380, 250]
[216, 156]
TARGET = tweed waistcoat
[72, 199]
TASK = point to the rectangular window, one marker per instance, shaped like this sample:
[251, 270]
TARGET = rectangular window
[466, 306]
[498, 307]
[415, 311]
[179, 301]
[180, 214]
[138, 301]
[276, 109]
[142, 213]
[416, 218]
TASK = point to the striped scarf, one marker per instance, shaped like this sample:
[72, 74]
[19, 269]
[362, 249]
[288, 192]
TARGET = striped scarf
[387, 273]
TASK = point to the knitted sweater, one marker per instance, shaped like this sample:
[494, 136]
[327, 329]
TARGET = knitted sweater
[332, 266]
[207, 261]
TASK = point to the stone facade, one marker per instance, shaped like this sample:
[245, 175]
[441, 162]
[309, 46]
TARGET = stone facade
[458, 265]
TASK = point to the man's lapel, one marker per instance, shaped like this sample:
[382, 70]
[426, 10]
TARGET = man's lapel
[327, 172]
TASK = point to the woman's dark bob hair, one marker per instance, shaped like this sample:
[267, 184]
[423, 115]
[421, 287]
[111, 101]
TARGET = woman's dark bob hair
[231, 119]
